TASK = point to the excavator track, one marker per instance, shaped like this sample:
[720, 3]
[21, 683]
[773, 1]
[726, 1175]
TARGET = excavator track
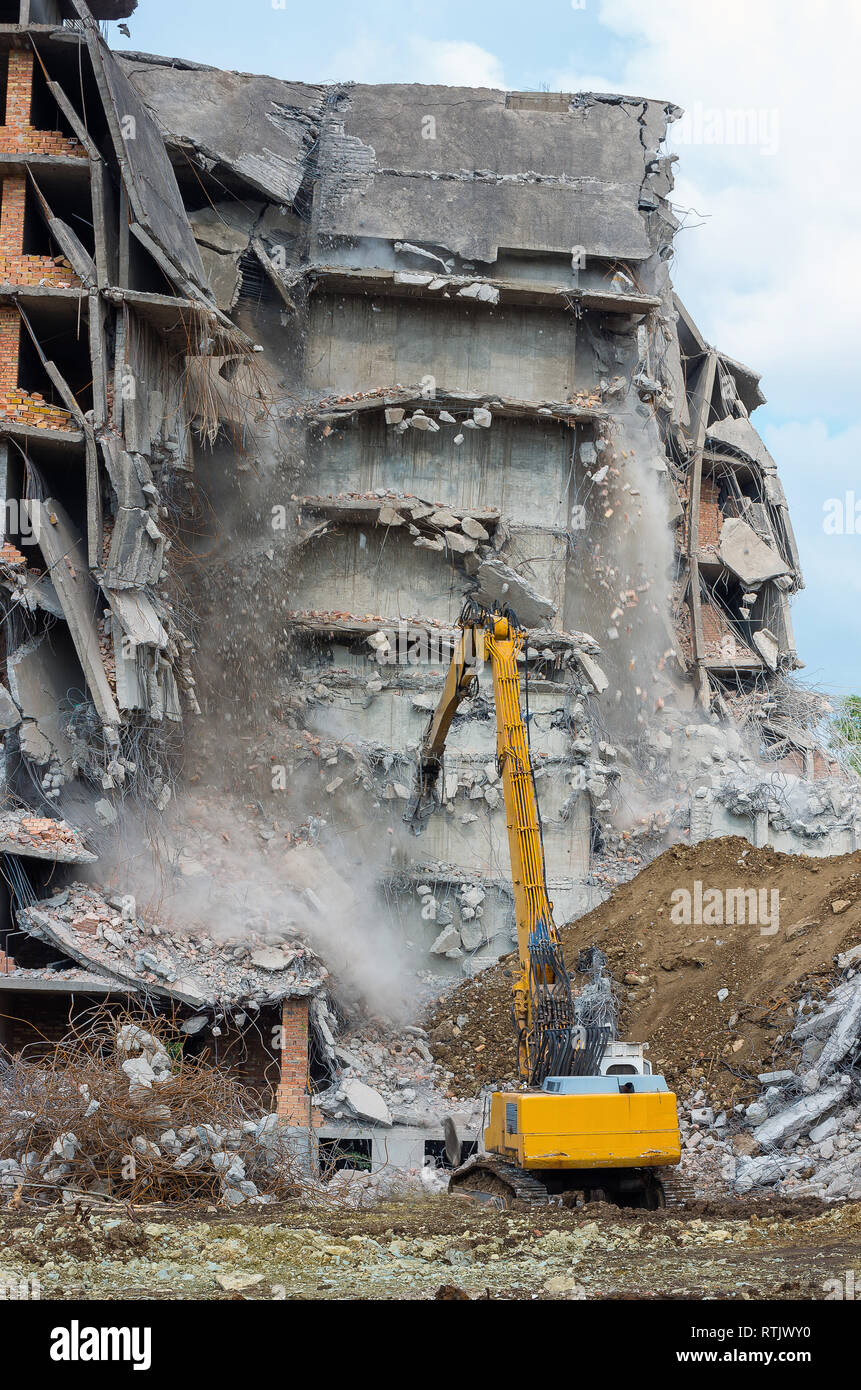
[485, 1177]
[678, 1191]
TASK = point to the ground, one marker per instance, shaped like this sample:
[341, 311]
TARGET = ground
[438, 1247]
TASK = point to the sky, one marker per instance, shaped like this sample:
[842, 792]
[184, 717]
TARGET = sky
[767, 189]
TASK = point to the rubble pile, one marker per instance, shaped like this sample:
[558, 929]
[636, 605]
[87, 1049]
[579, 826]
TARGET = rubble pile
[106, 934]
[801, 1134]
[385, 1076]
[431, 525]
[42, 837]
[116, 1112]
[353, 1188]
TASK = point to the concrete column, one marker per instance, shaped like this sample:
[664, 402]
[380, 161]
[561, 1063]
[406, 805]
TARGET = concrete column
[294, 1100]
[394, 1149]
[760, 829]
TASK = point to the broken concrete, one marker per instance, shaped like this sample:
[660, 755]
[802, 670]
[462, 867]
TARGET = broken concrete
[498, 584]
[112, 941]
[742, 551]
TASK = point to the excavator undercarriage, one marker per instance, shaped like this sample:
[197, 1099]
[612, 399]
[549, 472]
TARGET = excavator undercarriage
[490, 1178]
[624, 1187]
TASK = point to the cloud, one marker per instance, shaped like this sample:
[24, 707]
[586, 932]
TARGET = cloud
[821, 468]
[449, 62]
[766, 260]
[769, 273]
[460, 64]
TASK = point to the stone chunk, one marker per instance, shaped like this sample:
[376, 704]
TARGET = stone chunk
[269, 958]
[485, 294]
[839, 1043]
[444, 519]
[10, 715]
[458, 544]
[235, 1282]
[498, 584]
[750, 558]
[760, 1172]
[593, 672]
[703, 1116]
[447, 940]
[366, 1103]
[797, 1118]
[105, 811]
[768, 647]
[140, 1074]
[471, 936]
[420, 421]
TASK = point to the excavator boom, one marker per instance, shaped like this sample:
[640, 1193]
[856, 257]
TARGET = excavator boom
[549, 1040]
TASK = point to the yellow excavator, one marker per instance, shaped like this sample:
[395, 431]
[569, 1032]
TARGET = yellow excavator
[589, 1117]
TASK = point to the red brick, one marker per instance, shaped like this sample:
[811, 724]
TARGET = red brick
[18, 136]
[294, 1100]
[710, 517]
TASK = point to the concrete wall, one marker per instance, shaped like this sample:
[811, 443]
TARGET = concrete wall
[519, 466]
[510, 350]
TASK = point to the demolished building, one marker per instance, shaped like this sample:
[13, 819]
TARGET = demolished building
[416, 343]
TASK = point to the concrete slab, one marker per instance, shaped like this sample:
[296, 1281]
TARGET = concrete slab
[749, 558]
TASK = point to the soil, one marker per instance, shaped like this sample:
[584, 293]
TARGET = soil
[435, 1247]
[667, 975]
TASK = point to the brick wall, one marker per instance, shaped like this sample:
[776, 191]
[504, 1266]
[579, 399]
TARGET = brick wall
[38, 270]
[294, 1101]
[35, 1020]
[25, 407]
[722, 643]
[12, 216]
[15, 267]
[710, 517]
[252, 1054]
[18, 136]
[10, 344]
[721, 640]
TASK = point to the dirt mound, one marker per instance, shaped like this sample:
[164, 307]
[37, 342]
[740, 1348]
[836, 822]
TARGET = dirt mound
[671, 956]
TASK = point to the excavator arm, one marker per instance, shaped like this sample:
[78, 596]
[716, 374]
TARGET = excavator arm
[550, 1042]
[460, 682]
